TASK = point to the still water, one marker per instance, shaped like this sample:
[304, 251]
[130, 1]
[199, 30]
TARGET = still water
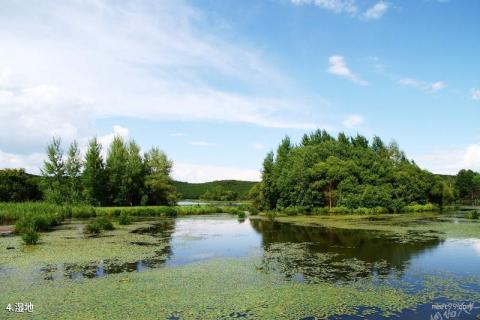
[300, 253]
[305, 253]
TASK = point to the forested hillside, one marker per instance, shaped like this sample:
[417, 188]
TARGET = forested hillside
[188, 190]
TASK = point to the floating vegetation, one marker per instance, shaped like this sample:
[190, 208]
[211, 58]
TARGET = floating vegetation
[300, 272]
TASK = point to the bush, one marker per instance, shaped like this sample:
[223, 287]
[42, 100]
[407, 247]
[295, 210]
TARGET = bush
[253, 211]
[241, 215]
[30, 236]
[271, 215]
[339, 210]
[92, 228]
[170, 212]
[105, 223]
[420, 207]
[124, 218]
[83, 212]
[474, 215]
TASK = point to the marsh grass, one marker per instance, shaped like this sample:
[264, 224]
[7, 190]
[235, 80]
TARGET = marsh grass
[473, 215]
[124, 219]
[99, 224]
[30, 236]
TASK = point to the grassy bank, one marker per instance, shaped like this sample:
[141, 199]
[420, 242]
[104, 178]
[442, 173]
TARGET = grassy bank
[54, 214]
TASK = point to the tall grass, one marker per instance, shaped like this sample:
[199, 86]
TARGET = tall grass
[157, 211]
[11, 212]
[44, 215]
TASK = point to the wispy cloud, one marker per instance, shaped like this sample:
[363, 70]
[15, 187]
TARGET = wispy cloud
[338, 67]
[376, 11]
[348, 7]
[337, 6]
[431, 87]
[475, 94]
[142, 59]
[353, 121]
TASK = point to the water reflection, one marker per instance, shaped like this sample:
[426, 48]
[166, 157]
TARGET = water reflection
[318, 253]
[302, 253]
[161, 230]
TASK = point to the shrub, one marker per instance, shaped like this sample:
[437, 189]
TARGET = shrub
[379, 210]
[362, 210]
[170, 212]
[271, 215]
[339, 210]
[92, 228]
[420, 207]
[241, 215]
[83, 212]
[320, 211]
[124, 218]
[253, 211]
[472, 215]
[105, 223]
[30, 236]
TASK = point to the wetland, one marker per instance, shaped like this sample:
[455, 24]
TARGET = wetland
[219, 267]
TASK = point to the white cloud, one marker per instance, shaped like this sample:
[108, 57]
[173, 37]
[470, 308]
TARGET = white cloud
[376, 11]
[34, 161]
[30, 162]
[30, 116]
[338, 67]
[432, 87]
[450, 161]
[337, 6]
[348, 7]
[203, 144]
[353, 121]
[437, 86]
[476, 94]
[203, 173]
[153, 60]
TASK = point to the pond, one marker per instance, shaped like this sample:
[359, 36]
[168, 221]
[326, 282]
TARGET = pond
[303, 254]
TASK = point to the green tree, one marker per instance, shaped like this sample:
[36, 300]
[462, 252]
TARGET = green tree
[268, 183]
[116, 169]
[158, 183]
[16, 186]
[135, 174]
[465, 185]
[53, 172]
[73, 172]
[441, 192]
[94, 178]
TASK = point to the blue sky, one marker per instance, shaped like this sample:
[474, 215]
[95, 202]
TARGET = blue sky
[217, 84]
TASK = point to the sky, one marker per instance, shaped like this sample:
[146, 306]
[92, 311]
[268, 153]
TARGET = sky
[217, 84]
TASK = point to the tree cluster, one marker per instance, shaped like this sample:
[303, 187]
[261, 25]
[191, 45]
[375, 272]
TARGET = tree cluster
[17, 186]
[467, 184]
[324, 171]
[126, 177]
[219, 194]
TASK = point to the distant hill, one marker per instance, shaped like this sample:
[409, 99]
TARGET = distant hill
[195, 190]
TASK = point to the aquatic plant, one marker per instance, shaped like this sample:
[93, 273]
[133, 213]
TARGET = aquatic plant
[105, 223]
[124, 218]
[30, 236]
[92, 228]
[474, 215]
